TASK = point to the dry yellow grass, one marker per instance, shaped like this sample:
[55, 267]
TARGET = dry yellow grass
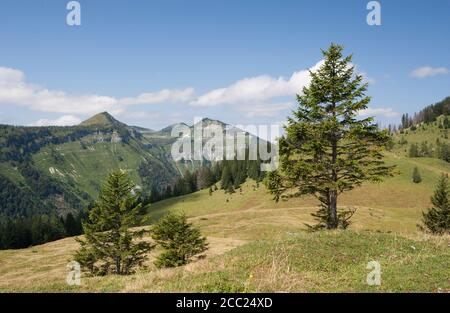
[27, 269]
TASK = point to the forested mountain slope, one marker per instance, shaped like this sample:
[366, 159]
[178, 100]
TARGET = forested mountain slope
[59, 170]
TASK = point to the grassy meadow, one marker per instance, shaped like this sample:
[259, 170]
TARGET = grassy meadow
[259, 245]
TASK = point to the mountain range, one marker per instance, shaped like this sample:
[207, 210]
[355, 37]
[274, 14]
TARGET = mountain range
[61, 169]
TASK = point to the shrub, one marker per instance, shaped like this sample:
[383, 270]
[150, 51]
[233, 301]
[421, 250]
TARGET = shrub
[179, 239]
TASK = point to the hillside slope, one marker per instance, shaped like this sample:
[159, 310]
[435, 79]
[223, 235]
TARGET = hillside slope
[429, 137]
[60, 169]
[259, 245]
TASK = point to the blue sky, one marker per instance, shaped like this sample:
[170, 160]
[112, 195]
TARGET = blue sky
[153, 63]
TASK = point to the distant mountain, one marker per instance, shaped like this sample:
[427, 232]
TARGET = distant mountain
[61, 169]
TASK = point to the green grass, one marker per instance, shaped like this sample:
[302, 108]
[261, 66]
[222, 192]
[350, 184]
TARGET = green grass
[326, 261]
[395, 205]
[11, 173]
[423, 133]
[288, 262]
[89, 167]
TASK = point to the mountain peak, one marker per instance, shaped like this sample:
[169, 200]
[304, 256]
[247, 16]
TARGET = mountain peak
[102, 119]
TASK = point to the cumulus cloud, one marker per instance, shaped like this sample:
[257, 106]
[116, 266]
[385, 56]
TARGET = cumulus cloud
[386, 112]
[10, 75]
[15, 90]
[65, 120]
[256, 89]
[428, 71]
[165, 95]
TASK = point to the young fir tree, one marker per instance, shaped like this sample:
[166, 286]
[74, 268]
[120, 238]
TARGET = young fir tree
[416, 176]
[425, 149]
[437, 219]
[179, 239]
[414, 151]
[168, 192]
[446, 122]
[109, 245]
[327, 149]
[204, 178]
[227, 178]
[71, 226]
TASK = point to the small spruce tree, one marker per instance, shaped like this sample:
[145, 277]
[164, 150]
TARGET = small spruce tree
[70, 225]
[437, 219]
[179, 239]
[414, 151]
[446, 122]
[416, 176]
[227, 178]
[109, 245]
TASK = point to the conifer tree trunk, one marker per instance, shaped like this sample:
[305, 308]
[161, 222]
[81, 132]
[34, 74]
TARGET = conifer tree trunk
[333, 224]
[118, 269]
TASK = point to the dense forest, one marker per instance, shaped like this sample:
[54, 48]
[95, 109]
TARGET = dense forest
[28, 231]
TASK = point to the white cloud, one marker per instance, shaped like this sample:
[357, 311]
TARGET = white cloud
[386, 112]
[259, 96]
[165, 95]
[257, 89]
[264, 110]
[10, 75]
[428, 71]
[15, 90]
[65, 120]
[261, 88]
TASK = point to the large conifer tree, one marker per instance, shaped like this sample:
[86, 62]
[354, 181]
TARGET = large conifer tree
[109, 245]
[327, 148]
